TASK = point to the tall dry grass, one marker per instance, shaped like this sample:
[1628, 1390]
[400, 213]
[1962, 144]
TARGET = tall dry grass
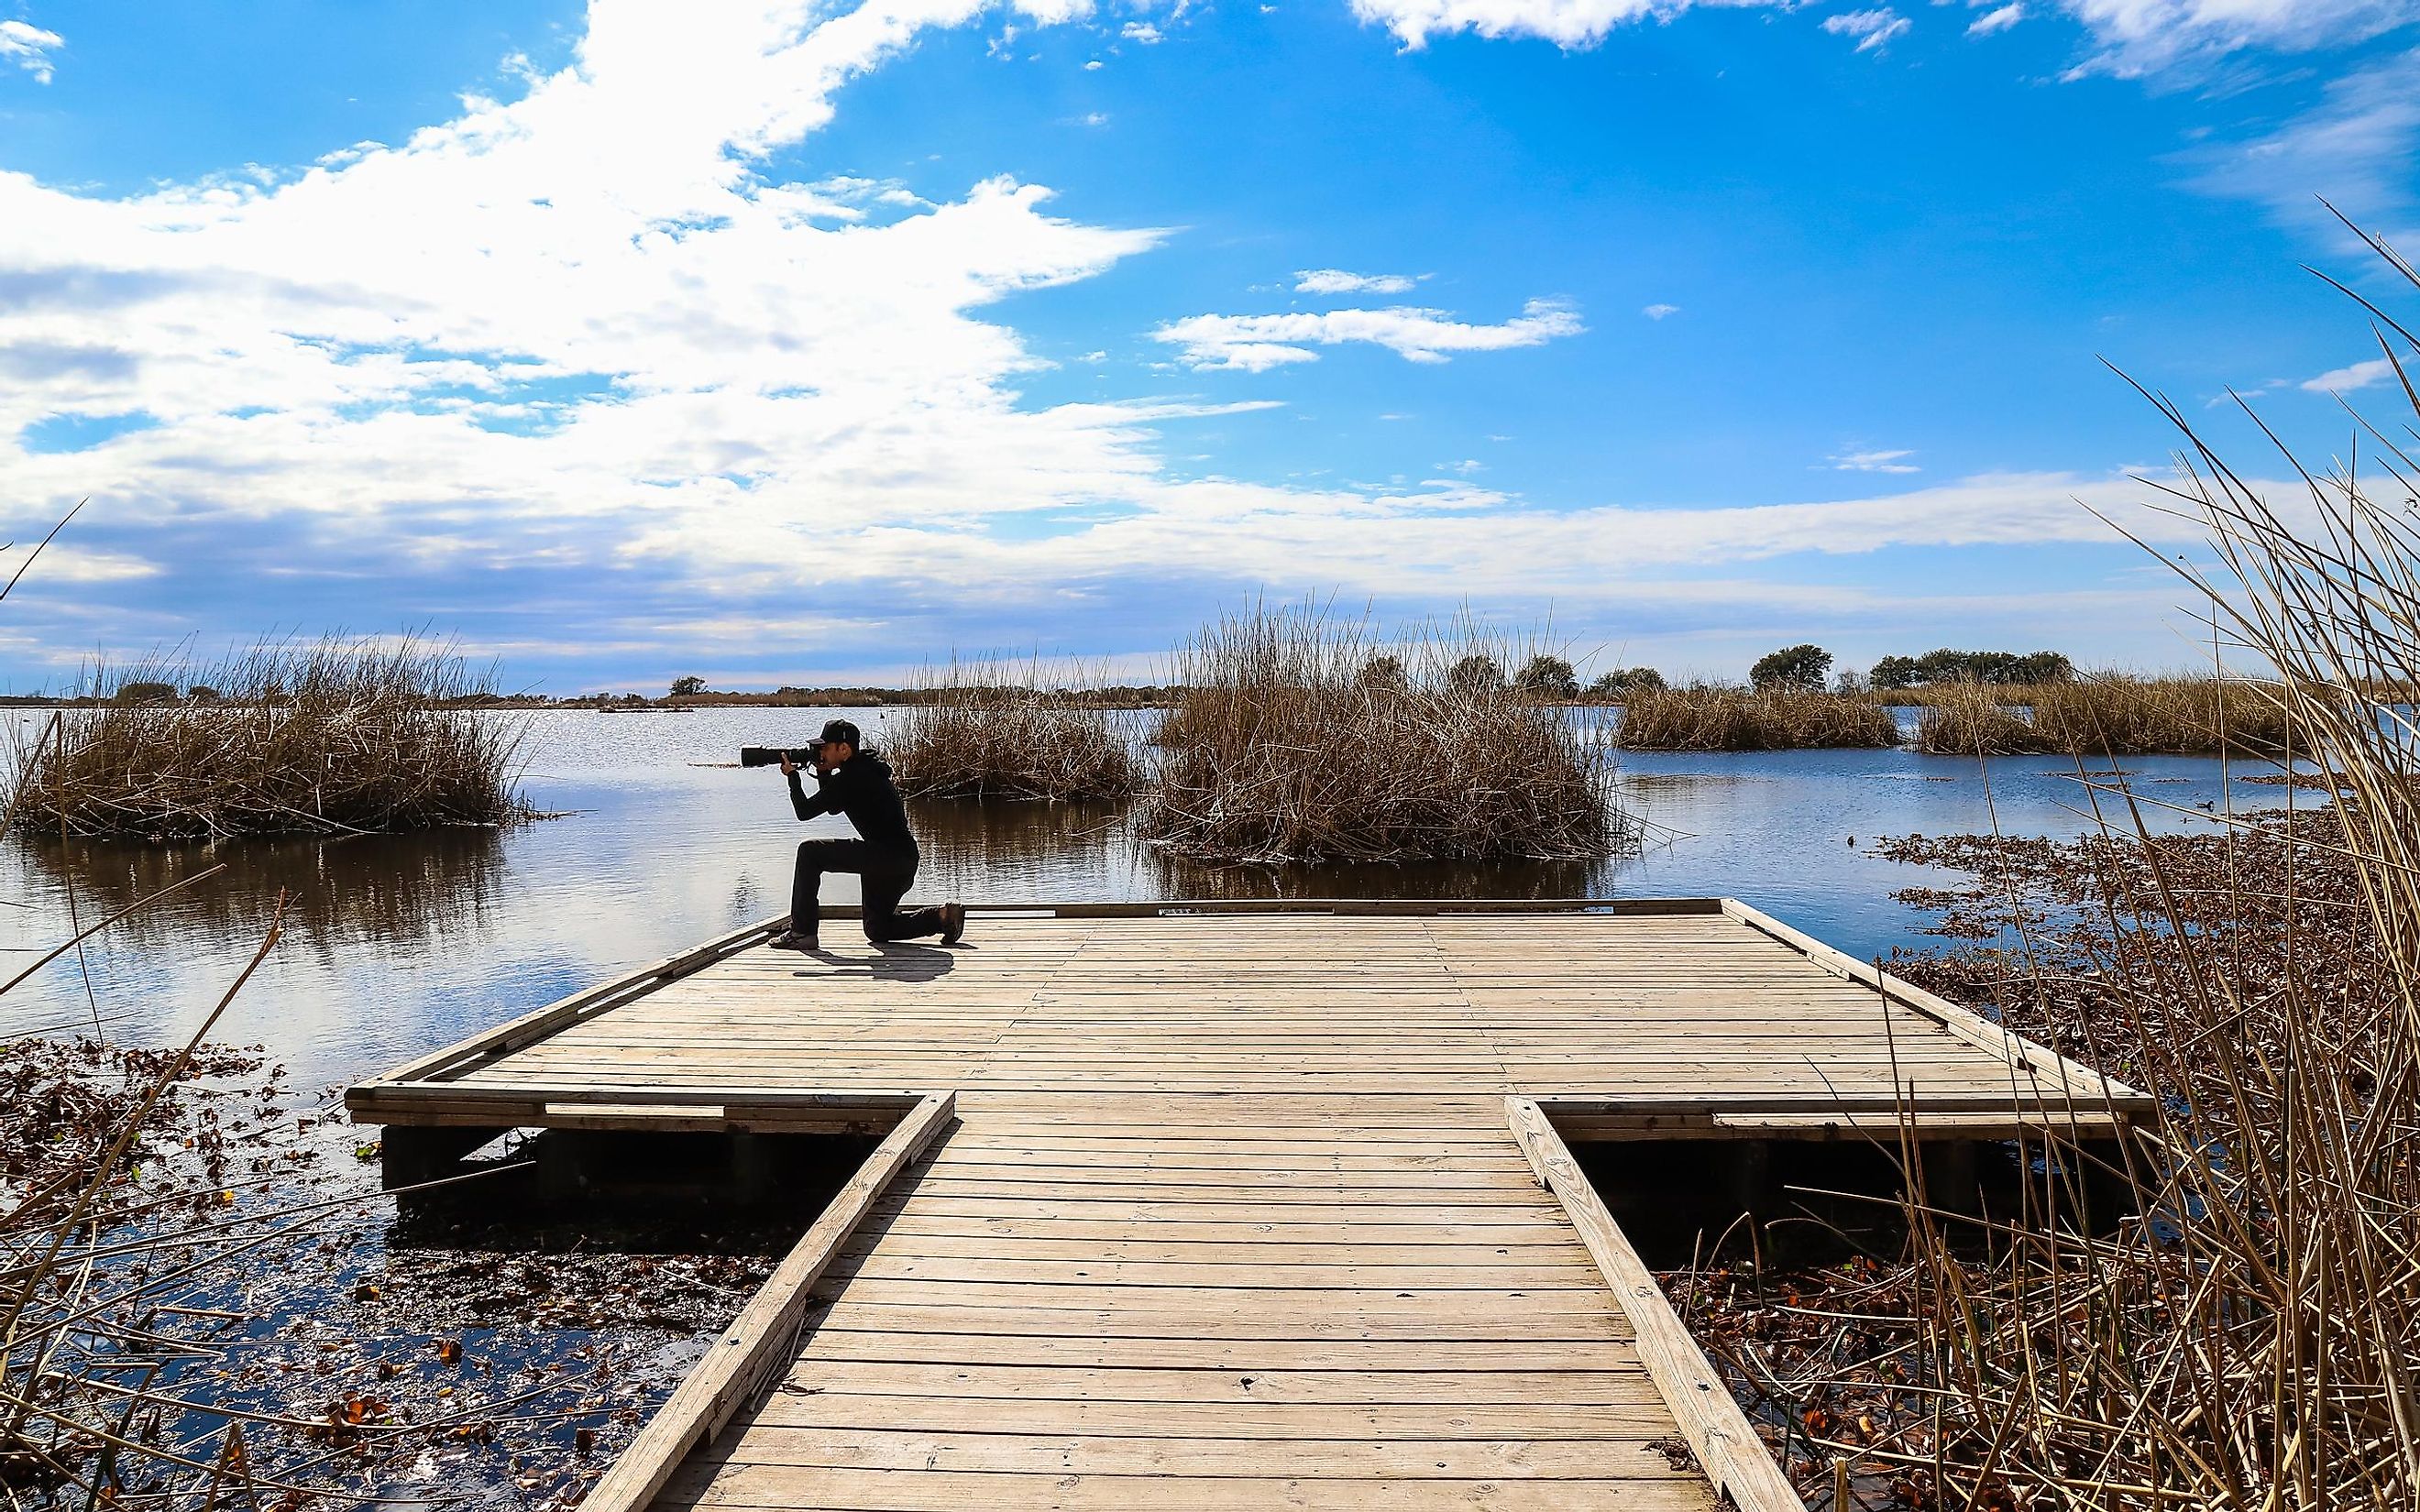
[1972, 719]
[1301, 736]
[987, 730]
[2249, 1334]
[1724, 717]
[332, 736]
[2119, 714]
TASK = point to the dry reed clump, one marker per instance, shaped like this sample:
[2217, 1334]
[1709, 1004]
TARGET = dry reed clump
[1299, 738]
[2115, 715]
[1971, 719]
[2247, 1335]
[989, 732]
[1723, 716]
[327, 737]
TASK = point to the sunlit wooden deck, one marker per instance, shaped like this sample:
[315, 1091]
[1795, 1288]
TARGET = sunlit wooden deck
[1233, 1206]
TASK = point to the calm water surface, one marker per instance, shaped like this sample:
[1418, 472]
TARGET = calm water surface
[397, 945]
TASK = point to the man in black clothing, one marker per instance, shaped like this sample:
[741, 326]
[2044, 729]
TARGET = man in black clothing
[852, 780]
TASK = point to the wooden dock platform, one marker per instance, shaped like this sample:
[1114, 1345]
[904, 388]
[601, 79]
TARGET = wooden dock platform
[1231, 1206]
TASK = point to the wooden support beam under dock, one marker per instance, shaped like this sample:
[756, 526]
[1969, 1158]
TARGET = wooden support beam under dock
[1196, 1206]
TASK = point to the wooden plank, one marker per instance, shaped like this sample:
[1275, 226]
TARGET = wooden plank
[768, 1456]
[2083, 1088]
[660, 1117]
[1710, 1419]
[987, 1381]
[541, 1022]
[918, 1490]
[737, 1367]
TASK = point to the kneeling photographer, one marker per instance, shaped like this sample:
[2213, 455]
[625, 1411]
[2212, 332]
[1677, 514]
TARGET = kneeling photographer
[853, 780]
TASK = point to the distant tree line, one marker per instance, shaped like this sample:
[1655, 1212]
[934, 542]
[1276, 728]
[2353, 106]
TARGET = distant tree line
[1993, 667]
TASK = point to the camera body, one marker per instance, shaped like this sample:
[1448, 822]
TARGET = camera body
[772, 755]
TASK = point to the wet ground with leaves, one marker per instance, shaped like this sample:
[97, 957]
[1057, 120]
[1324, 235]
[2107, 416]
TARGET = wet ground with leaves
[1842, 1361]
[233, 1317]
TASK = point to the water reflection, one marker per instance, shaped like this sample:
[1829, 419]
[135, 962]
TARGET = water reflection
[402, 893]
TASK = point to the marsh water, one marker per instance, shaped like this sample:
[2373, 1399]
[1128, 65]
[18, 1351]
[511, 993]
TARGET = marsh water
[397, 945]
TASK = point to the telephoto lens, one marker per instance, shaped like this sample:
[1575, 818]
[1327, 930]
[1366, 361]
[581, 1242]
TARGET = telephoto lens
[771, 756]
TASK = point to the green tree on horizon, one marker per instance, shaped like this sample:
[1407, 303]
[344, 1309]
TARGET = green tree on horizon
[1799, 669]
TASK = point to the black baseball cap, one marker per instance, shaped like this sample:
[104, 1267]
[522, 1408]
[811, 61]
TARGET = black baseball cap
[839, 731]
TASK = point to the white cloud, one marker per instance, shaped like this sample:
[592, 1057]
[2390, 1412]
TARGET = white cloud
[1255, 343]
[1995, 21]
[1142, 33]
[1873, 29]
[2128, 38]
[1873, 462]
[1569, 23]
[28, 46]
[2357, 146]
[1337, 280]
[2355, 376]
[2135, 37]
[1658, 312]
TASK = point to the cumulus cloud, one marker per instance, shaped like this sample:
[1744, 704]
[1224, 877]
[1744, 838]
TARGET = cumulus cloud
[580, 372]
[28, 46]
[1998, 20]
[1658, 312]
[1255, 343]
[1337, 280]
[1874, 462]
[1872, 29]
[1570, 24]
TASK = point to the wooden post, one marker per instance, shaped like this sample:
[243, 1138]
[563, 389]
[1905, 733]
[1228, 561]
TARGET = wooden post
[412, 1154]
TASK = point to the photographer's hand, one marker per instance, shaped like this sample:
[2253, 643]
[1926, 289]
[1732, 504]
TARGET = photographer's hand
[788, 769]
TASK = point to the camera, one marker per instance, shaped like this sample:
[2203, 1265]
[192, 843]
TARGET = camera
[772, 755]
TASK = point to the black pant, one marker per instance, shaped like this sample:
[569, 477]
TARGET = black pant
[886, 875]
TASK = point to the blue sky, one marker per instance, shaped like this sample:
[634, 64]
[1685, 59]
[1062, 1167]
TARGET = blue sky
[805, 343]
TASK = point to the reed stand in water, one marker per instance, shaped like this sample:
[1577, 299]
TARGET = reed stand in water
[324, 737]
[989, 731]
[1724, 717]
[1301, 736]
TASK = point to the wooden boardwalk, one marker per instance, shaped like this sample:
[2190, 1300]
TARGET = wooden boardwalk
[1235, 1209]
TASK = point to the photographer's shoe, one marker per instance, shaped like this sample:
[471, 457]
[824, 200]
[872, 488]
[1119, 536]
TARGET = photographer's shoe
[954, 923]
[790, 939]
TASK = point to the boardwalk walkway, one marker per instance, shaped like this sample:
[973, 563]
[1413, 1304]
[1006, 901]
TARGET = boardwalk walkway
[1226, 1211]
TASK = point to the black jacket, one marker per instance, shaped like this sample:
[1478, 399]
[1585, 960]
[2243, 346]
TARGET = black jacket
[861, 788]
